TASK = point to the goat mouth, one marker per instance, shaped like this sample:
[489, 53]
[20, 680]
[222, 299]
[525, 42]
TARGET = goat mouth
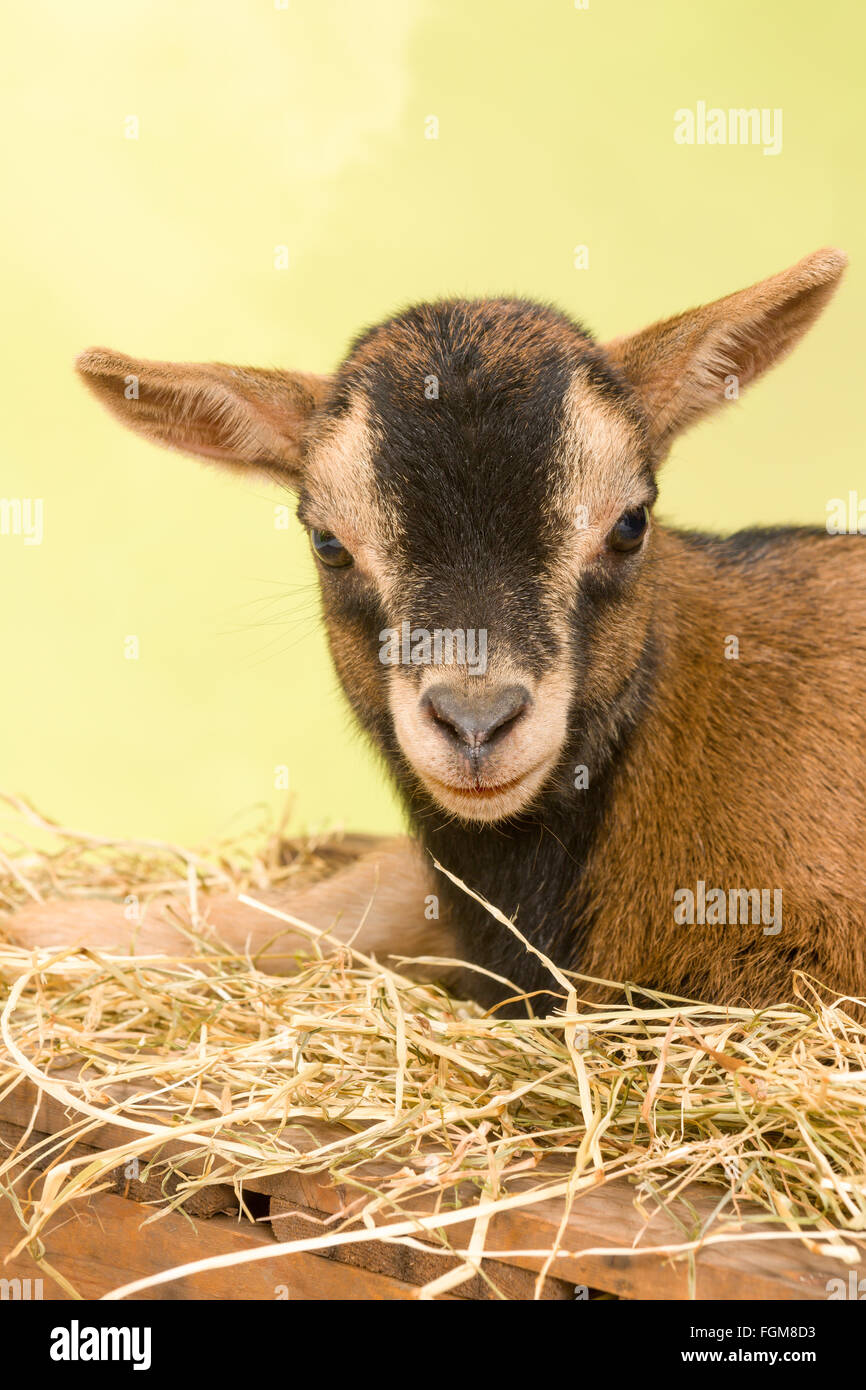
[484, 801]
[483, 791]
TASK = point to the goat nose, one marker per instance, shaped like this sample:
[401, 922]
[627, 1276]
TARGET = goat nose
[473, 719]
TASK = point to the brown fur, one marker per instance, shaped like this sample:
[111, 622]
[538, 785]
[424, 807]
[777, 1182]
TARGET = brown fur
[751, 772]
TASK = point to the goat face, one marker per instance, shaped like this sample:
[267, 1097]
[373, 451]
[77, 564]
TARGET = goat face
[481, 472]
[477, 487]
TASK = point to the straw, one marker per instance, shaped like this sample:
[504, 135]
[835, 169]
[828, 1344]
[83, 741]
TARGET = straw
[427, 1110]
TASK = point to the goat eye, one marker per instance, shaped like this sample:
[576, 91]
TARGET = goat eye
[630, 530]
[329, 550]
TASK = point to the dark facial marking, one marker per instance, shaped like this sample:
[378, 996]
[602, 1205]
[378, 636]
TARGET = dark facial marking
[466, 400]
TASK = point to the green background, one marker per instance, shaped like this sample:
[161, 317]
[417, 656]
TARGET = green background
[305, 127]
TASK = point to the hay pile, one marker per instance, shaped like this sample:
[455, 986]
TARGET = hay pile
[472, 1110]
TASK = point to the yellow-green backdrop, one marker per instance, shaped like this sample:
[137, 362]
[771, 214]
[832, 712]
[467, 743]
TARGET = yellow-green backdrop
[305, 125]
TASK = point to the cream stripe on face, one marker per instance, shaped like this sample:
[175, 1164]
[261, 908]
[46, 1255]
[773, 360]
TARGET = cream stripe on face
[342, 496]
[600, 471]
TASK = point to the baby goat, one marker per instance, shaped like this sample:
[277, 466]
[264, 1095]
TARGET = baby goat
[655, 760]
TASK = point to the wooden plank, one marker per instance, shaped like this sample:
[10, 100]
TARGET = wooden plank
[209, 1201]
[288, 1223]
[603, 1217]
[28, 1106]
[606, 1217]
[100, 1243]
[413, 1266]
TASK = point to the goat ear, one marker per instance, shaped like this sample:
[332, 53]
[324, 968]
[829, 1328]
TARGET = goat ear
[681, 368]
[238, 416]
